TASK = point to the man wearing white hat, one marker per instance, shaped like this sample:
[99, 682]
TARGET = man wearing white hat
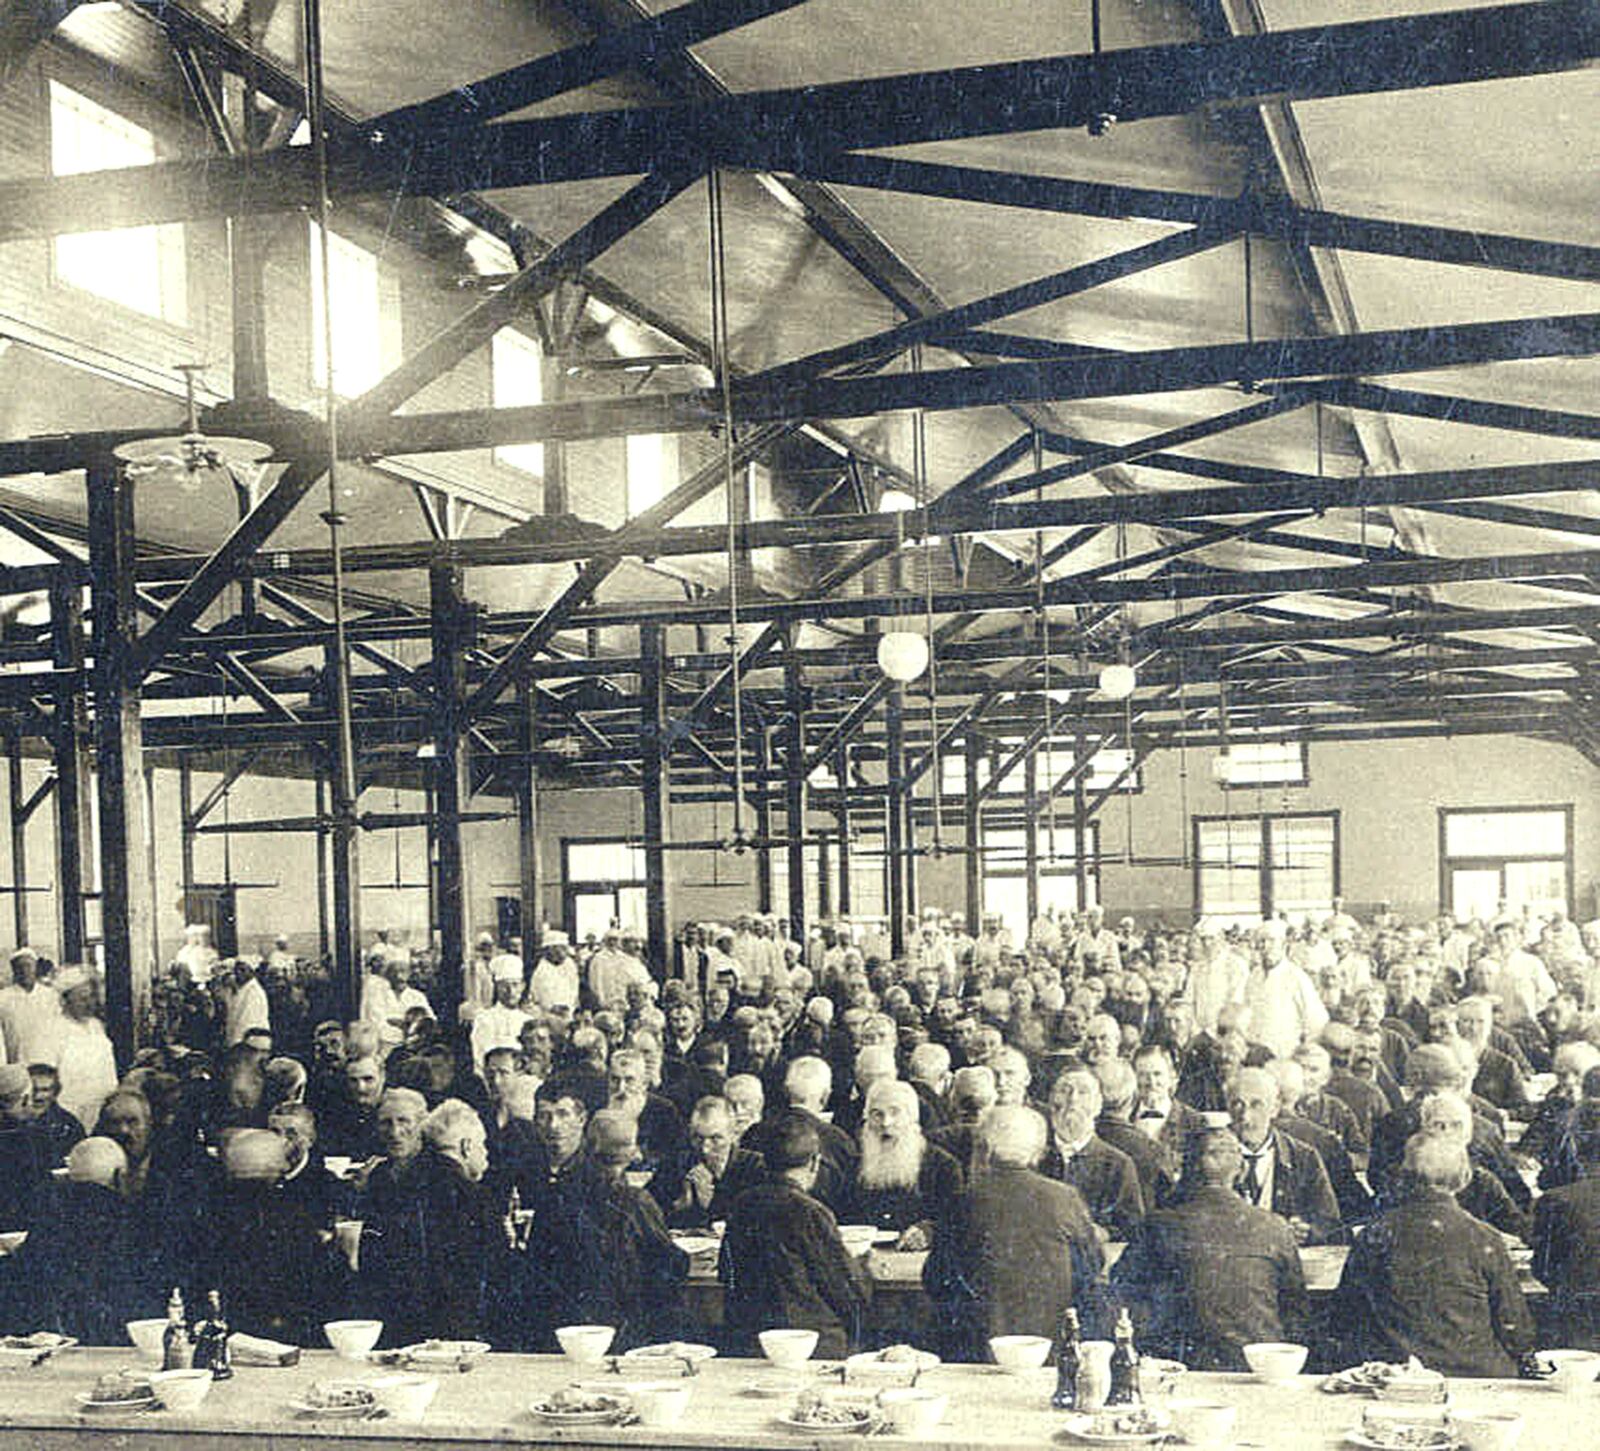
[197, 954]
[82, 1053]
[553, 988]
[500, 1024]
[1285, 1009]
[28, 1010]
[477, 981]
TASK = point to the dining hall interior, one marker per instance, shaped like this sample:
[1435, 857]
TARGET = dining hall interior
[716, 540]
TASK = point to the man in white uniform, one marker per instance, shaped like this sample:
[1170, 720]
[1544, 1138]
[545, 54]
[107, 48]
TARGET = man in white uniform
[81, 1052]
[553, 988]
[500, 1024]
[247, 1007]
[1285, 1009]
[197, 954]
[28, 1010]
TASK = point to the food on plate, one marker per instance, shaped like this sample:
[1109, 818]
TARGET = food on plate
[340, 1395]
[1377, 1377]
[1127, 1421]
[39, 1340]
[899, 1355]
[1396, 1431]
[815, 1409]
[575, 1401]
[122, 1385]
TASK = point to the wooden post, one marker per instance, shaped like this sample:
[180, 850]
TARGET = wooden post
[67, 746]
[973, 750]
[794, 790]
[894, 769]
[653, 727]
[19, 840]
[527, 795]
[1030, 834]
[841, 771]
[451, 787]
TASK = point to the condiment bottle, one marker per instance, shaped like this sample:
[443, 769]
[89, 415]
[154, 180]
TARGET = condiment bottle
[1124, 1389]
[1066, 1391]
[211, 1340]
[177, 1351]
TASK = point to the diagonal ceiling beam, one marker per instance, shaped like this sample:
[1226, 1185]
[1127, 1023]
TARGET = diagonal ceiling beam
[24, 26]
[766, 128]
[1478, 412]
[566, 70]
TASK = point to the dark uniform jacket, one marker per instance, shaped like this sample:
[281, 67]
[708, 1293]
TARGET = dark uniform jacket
[1156, 1183]
[783, 1263]
[1499, 1080]
[1566, 1257]
[1429, 1280]
[838, 1169]
[939, 1181]
[1107, 1180]
[745, 1169]
[1355, 1203]
[1335, 1115]
[1300, 1188]
[1364, 1098]
[1211, 1275]
[1017, 1250]
[1487, 1148]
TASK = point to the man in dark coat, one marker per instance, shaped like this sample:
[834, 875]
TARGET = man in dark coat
[698, 1185]
[26, 1154]
[782, 1261]
[807, 1085]
[1280, 1173]
[1104, 1176]
[1355, 1203]
[1157, 1112]
[902, 1182]
[61, 1128]
[1429, 1280]
[1212, 1274]
[1017, 1249]
[80, 1272]
[1361, 1095]
[349, 1122]
[1566, 1242]
[434, 1260]
[1118, 1086]
[307, 1180]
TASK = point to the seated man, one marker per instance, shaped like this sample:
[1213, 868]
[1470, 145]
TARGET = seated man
[1017, 1248]
[698, 1186]
[902, 1182]
[782, 1260]
[1429, 1280]
[1355, 1203]
[1569, 1064]
[61, 1128]
[658, 1125]
[350, 1125]
[307, 1181]
[1118, 1089]
[1448, 1115]
[388, 1183]
[1212, 1274]
[80, 1272]
[618, 1265]
[1280, 1173]
[807, 1084]
[26, 1153]
[1104, 1176]
[972, 1094]
[1566, 1242]
[433, 1260]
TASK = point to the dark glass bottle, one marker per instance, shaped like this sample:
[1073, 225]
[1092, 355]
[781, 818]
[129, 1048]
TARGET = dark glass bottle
[1124, 1364]
[211, 1340]
[1065, 1397]
[177, 1350]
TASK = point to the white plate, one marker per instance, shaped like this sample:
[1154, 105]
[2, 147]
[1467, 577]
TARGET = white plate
[445, 1352]
[669, 1352]
[33, 1354]
[1360, 1438]
[557, 1417]
[87, 1402]
[774, 1389]
[1081, 1428]
[696, 1244]
[867, 1363]
[332, 1413]
[865, 1419]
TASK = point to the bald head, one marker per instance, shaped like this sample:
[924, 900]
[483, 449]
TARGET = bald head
[1011, 1136]
[1437, 1162]
[808, 1082]
[972, 1092]
[930, 1064]
[97, 1161]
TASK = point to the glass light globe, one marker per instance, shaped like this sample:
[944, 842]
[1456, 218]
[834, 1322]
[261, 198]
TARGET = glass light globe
[1118, 681]
[903, 655]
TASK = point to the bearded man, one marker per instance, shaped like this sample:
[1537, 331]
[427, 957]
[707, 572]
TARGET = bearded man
[902, 1182]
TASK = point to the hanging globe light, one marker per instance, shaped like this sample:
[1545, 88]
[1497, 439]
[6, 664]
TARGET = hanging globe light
[903, 655]
[1117, 682]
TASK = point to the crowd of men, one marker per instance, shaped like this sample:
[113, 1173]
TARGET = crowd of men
[1154, 1118]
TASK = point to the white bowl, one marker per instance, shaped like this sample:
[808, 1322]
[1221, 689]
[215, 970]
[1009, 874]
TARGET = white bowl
[788, 1348]
[1571, 1370]
[912, 1411]
[1017, 1354]
[661, 1402]
[353, 1338]
[405, 1397]
[12, 1240]
[1275, 1360]
[1487, 1430]
[146, 1336]
[585, 1344]
[1203, 1423]
[181, 1390]
[858, 1238]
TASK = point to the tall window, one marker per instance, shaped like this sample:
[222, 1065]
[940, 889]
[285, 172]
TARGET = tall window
[1005, 873]
[357, 324]
[603, 881]
[1254, 866]
[1055, 761]
[1264, 763]
[142, 268]
[652, 470]
[516, 367]
[1505, 858]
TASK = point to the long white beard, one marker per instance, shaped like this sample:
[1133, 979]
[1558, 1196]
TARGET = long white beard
[890, 1163]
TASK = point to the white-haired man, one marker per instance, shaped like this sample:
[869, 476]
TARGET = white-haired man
[807, 1085]
[1104, 1176]
[902, 1182]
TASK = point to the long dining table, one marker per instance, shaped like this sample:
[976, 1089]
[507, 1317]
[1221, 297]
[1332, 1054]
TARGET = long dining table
[490, 1405]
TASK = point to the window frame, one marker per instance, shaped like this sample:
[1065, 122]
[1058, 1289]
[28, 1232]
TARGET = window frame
[1264, 868]
[517, 456]
[318, 377]
[1302, 780]
[1448, 863]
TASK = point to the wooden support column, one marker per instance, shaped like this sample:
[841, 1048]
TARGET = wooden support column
[654, 724]
[150, 869]
[1080, 822]
[794, 789]
[324, 925]
[908, 834]
[763, 807]
[553, 367]
[841, 771]
[529, 886]
[452, 628]
[894, 749]
[68, 746]
[824, 877]
[124, 822]
[344, 856]
[1030, 836]
[18, 821]
[186, 829]
[973, 863]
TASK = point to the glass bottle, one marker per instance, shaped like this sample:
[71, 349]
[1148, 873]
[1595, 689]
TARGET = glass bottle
[1065, 1397]
[211, 1340]
[177, 1351]
[1124, 1389]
